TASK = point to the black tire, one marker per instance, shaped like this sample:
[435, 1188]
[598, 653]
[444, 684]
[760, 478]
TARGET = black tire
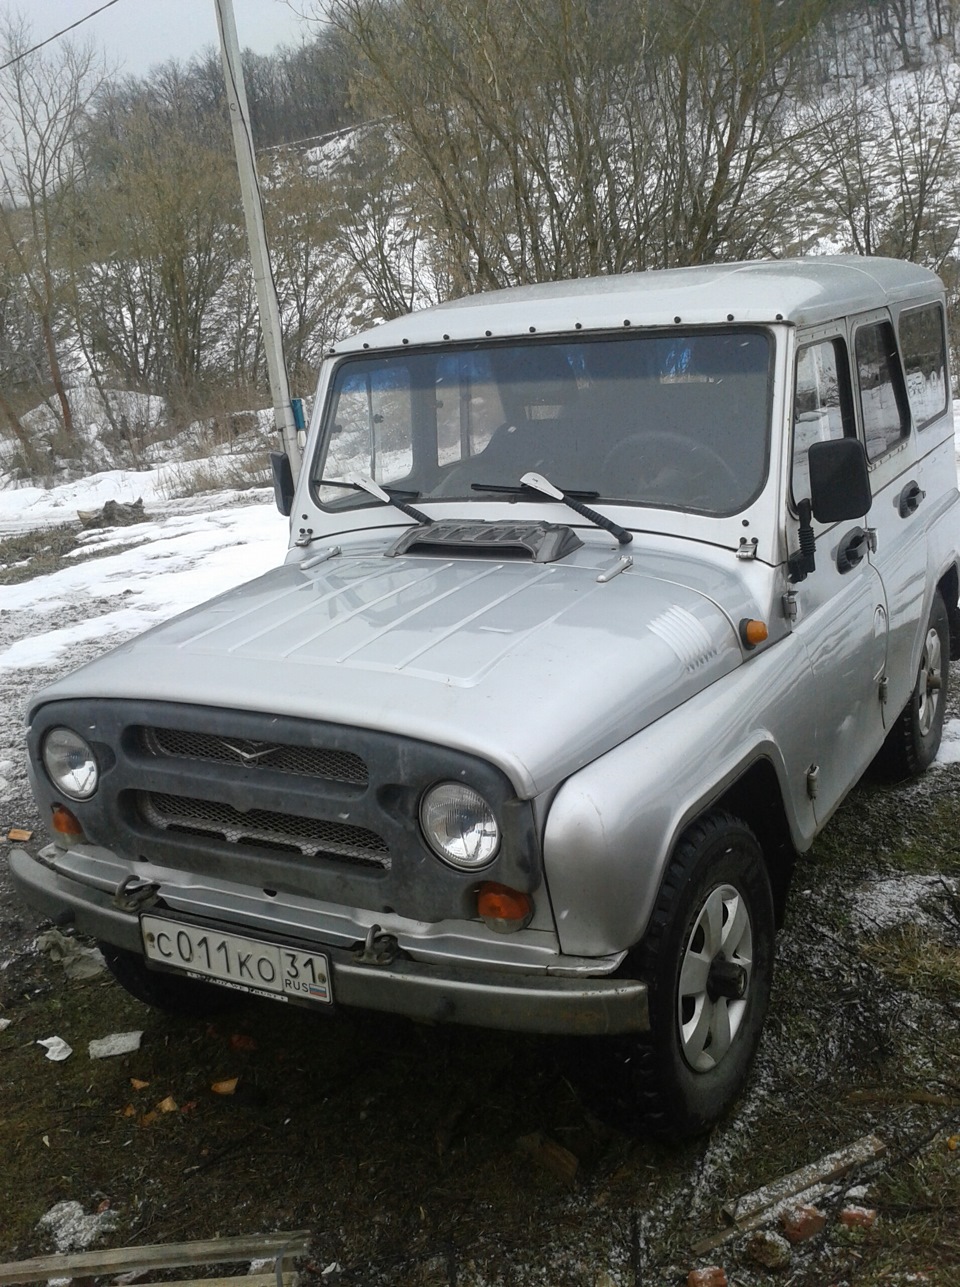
[168, 992]
[912, 744]
[702, 1040]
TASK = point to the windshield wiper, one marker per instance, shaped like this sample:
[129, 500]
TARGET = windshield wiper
[364, 484]
[537, 483]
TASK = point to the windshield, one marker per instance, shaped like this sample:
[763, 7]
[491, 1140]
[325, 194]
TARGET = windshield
[677, 420]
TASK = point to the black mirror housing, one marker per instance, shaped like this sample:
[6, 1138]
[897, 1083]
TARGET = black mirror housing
[839, 480]
[283, 487]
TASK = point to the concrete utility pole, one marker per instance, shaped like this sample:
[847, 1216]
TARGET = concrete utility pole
[253, 216]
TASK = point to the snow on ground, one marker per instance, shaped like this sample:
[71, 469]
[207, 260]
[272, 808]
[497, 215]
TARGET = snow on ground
[899, 900]
[177, 561]
[25, 507]
[950, 746]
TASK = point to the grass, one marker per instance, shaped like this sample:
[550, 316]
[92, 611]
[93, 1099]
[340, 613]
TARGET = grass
[41, 552]
[218, 473]
[918, 959]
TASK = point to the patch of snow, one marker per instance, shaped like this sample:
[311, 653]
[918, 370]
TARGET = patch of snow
[39, 506]
[72, 1229]
[179, 562]
[949, 752]
[885, 904]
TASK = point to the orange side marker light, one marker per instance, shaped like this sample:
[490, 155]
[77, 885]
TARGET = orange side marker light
[752, 632]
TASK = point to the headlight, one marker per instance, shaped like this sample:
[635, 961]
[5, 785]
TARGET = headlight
[459, 825]
[71, 763]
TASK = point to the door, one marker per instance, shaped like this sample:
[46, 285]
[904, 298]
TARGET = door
[840, 605]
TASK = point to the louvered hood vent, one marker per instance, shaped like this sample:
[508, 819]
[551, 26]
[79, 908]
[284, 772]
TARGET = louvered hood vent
[538, 542]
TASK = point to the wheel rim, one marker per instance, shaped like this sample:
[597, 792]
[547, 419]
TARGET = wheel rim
[928, 682]
[719, 947]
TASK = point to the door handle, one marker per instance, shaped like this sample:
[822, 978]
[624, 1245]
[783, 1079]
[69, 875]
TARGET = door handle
[852, 549]
[909, 499]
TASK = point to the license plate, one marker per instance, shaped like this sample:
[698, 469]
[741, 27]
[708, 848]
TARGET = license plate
[247, 964]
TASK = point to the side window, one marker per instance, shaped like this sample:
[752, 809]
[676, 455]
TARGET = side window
[882, 400]
[821, 404]
[924, 349]
[371, 427]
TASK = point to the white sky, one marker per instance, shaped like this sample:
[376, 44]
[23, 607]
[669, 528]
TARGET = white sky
[138, 34]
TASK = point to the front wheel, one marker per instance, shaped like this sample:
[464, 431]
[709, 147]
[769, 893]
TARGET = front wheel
[708, 961]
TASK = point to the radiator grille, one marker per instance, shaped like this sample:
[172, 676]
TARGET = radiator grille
[305, 761]
[264, 829]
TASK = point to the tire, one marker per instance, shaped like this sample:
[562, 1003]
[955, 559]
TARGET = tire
[171, 993]
[708, 962]
[912, 744]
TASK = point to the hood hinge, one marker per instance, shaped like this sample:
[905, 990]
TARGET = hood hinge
[747, 549]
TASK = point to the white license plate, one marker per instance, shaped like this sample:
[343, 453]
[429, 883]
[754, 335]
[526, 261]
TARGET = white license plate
[244, 963]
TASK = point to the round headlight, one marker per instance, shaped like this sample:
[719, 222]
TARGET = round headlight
[71, 763]
[459, 825]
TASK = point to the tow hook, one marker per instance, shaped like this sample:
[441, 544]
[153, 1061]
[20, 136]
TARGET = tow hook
[378, 948]
[134, 894]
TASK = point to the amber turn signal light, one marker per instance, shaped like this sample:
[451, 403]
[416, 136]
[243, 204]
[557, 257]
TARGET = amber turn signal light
[503, 909]
[752, 632]
[65, 825]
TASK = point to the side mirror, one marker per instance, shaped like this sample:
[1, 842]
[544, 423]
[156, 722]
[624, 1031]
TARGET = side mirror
[839, 480]
[283, 487]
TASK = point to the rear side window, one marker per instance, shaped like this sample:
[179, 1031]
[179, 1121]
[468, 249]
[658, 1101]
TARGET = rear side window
[924, 349]
[821, 404]
[883, 401]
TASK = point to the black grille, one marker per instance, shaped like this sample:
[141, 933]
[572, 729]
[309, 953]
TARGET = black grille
[312, 837]
[305, 761]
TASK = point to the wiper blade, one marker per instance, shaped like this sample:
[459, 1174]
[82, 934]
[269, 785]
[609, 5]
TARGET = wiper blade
[364, 484]
[508, 489]
[537, 483]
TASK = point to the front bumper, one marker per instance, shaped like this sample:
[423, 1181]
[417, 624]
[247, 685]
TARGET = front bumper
[440, 990]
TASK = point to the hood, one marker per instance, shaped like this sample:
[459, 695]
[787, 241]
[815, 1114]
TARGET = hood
[538, 668]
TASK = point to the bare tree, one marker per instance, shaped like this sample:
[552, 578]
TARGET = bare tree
[574, 136]
[44, 99]
[881, 169]
[315, 285]
[162, 223]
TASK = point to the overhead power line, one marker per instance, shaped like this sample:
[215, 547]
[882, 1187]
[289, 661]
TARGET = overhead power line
[57, 34]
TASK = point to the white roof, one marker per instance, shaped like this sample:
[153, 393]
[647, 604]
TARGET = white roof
[797, 291]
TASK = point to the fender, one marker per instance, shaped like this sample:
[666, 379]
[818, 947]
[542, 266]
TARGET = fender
[638, 798]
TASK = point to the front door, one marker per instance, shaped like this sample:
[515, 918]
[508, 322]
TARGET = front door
[840, 605]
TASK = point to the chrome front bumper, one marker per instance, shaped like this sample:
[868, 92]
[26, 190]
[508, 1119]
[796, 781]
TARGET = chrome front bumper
[479, 992]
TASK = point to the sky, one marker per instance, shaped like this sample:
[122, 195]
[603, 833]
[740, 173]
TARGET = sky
[138, 34]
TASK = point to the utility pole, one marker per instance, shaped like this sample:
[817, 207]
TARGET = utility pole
[253, 216]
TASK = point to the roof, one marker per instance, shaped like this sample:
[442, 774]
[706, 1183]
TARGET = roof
[797, 291]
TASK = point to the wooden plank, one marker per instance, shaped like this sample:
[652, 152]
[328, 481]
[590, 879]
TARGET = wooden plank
[173, 1255]
[768, 1215]
[289, 1279]
[801, 1187]
[865, 1149]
